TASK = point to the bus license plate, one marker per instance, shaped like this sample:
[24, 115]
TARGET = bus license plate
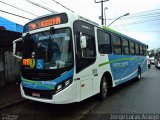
[35, 94]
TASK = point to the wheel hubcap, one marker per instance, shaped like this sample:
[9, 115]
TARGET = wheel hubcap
[104, 88]
[139, 75]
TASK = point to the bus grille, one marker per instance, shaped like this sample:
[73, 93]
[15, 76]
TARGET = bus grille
[38, 76]
[45, 94]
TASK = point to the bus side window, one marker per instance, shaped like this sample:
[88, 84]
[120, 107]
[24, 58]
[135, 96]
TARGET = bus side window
[132, 48]
[156, 56]
[90, 50]
[137, 49]
[104, 42]
[144, 50]
[78, 45]
[141, 50]
[125, 46]
[116, 41]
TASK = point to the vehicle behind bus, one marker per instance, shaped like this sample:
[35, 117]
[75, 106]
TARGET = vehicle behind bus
[157, 59]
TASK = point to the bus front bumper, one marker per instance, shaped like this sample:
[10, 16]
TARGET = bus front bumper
[68, 95]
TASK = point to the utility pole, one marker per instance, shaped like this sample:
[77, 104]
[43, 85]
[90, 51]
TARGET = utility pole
[105, 15]
[102, 1]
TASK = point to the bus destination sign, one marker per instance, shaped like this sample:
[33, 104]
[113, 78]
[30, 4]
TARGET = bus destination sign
[46, 21]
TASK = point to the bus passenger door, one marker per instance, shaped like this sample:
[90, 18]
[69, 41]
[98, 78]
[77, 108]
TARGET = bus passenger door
[85, 59]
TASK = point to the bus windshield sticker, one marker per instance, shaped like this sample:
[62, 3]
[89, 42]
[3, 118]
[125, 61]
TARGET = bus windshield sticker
[52, 36]
[44, 37]
[58, 35]
[40, 64]
[29, 62]
[67, 38]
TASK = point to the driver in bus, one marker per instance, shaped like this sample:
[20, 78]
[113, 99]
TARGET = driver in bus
[55, 52]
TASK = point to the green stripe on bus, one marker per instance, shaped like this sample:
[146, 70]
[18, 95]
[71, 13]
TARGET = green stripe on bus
[111, 30]
[35, 82]
[114, 31]
[117, 60]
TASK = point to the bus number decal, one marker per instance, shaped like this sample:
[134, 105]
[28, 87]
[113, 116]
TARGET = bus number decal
[29, 62]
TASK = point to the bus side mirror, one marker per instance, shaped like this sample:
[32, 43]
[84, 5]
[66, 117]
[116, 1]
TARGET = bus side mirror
[15, 42]
[83, 42]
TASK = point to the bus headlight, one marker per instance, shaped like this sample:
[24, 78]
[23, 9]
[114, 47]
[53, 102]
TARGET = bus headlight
[63, 85]
[67, 83]
[59, 87]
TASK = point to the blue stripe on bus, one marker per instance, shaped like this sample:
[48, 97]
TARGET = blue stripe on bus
[46, 84]
[125, 67]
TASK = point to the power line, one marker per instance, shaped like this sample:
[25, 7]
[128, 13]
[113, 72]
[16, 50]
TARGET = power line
[48, 9]
[17, 8]
[139, 22]
[139, 17]
[145, 17]
[63, 6]
[147, 11]
[139, 31]
[142, 14]
[15, 14]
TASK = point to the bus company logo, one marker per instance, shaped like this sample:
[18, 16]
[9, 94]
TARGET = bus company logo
[29, 62]
[86, 27]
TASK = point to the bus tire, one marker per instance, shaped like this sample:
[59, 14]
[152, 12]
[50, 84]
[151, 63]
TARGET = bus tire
[103, 88]
[139, 74]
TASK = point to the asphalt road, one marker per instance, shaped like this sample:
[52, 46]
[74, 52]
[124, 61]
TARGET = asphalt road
[133, 97]
[30, 110]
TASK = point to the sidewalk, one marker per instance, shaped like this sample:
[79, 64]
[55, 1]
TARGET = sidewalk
[10, 94]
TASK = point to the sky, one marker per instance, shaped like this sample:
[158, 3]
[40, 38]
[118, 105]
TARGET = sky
[142, 23]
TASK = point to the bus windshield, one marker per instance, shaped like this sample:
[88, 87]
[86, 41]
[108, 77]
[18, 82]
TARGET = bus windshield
[50, 50]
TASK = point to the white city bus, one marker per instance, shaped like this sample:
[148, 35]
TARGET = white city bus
[67, 58]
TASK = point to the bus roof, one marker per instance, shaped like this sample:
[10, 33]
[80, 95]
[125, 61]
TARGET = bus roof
[86, 20]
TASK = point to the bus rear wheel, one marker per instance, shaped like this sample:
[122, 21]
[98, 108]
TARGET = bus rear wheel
[103, 88]
[139, 74]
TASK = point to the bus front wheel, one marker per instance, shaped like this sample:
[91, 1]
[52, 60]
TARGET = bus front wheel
[103, 88]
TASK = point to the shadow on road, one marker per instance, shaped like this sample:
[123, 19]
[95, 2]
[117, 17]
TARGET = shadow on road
[31, 110]
[123, 87]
